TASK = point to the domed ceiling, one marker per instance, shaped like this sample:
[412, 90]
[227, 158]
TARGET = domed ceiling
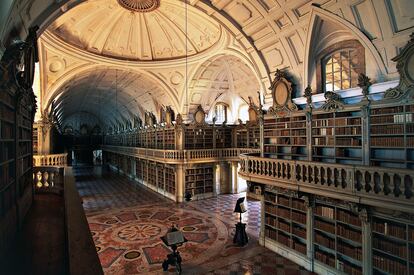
[142, 30]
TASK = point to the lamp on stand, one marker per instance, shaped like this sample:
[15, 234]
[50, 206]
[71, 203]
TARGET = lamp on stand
[240, 237]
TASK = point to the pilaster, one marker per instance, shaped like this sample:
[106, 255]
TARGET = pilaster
[366, 242]
[310, 204]
[179, 173]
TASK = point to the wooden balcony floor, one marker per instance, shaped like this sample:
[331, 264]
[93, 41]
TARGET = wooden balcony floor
[40, 245]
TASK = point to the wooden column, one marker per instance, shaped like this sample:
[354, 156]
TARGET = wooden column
[366, 156]
[179, 173]
[310, 204]
[366, 242]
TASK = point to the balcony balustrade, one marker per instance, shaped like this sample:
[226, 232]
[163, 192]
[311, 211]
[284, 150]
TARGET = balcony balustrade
[368, 185]
[50, 160]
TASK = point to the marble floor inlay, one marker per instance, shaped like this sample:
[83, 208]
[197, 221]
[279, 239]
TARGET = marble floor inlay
[127, 220]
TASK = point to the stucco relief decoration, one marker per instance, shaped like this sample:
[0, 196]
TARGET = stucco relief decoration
[364, 82]
[281, 90]
[405, 67]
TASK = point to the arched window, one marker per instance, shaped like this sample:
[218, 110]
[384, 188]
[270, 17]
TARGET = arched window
[339, 66]
[220, 112]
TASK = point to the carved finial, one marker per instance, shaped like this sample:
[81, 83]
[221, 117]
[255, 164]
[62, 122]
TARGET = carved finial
[279, 75]
[308, 95]
[179, 119]
[364, 82]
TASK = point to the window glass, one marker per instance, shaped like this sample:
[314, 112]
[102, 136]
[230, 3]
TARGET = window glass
[220, 113]
[341, 70]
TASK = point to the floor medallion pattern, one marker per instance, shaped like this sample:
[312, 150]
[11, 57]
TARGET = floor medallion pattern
[133, 234]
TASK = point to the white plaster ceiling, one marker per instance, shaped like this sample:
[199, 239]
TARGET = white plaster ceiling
[106, 28]
[110, 94]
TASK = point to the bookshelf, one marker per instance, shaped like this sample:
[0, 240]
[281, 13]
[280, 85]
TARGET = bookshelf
[337, 137]
[24, 146]
[160, 177]
[223, 137]
[35, 139]
[170, 179]
[392, 245]
[247, 136]
[285, 137]
[198, 137]
[337, 237]
[199, 180]
[7, 152]
[285, 220]
[392, 136]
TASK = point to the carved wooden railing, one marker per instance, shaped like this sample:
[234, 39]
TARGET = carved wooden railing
[181, 156]
[48, 179]
[368, 185]
[50, 160]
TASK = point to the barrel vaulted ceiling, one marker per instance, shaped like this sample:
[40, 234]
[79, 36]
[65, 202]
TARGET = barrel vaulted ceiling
[258, 36]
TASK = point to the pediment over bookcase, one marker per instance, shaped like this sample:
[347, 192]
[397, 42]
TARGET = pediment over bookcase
[199, 117]
[253, 112]
[281, 90]
[405, 68]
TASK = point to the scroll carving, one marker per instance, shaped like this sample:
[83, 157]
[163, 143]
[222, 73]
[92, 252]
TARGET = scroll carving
[405, 68]
[333, 102]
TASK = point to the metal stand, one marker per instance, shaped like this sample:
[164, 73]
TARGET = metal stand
[173, 259]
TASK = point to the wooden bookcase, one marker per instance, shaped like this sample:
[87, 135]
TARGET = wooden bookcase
[393, 246]
[337, 238]
[223, 137]
[198, 137]
[285, 220]
[285, 137]
[337, 137]
[36, 130]
[170, 179]
[7, 151]
[199, 180]
[392, 136]
[247, 136]
[24, 146]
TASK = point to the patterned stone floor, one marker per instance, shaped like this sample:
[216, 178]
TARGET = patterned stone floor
[127, 221]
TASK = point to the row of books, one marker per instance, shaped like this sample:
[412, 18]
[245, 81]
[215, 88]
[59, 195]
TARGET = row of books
[394, 248]
[349, 233]
[389, 265]
[322, 132]
[324, 240]
[6, 130]
[6, 173]
[324, 211]
[388, 228]
[299, 231]
[387, 141]
[298, 204]
[270, 197]
[350, 251]
[325, 226]
[352, 270]
[324, 141]
[299, 247]
[348, 141]
[346, 217]
[387, 129]
[325, 258]
[283, 201]
[299, 217]
[388, 110]
[396, 118]
[348, 131]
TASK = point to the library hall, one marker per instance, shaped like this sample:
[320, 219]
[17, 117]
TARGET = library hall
[217, 137]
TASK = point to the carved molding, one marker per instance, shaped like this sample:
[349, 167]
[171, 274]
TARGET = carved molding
[281, 90]
[405, 68]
